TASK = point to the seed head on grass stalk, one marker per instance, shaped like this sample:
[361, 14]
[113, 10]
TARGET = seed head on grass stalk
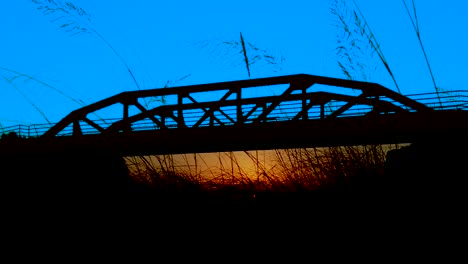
[235, 51]
[356, 42]
[73, 20]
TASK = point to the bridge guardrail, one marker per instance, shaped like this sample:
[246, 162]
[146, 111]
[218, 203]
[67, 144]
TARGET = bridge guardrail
[452, 100]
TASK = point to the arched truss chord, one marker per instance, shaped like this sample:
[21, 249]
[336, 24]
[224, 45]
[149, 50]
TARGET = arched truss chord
[299, 101]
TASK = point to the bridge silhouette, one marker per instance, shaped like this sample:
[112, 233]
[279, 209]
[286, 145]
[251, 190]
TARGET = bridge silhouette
[233, 116]
[77, 164]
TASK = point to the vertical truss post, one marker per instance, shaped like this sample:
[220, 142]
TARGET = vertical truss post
[239, 107]
[126, 124]
[264, 107]
[163, 121]
[212, 119]
[305, 115]
[322, 111]
[180, 112]
[376, 100]
[77, 128]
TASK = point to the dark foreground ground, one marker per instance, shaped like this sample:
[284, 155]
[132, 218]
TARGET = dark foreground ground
[423, 190]
[70, 206]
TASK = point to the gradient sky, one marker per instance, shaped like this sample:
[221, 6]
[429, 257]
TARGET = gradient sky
[165, 41]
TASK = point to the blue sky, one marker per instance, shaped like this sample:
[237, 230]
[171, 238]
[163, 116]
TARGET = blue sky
[165, 41]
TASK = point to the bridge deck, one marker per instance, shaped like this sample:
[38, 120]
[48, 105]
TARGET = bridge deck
[391, 129]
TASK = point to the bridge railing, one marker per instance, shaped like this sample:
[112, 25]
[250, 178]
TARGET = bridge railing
[37, 130]
[26, 131]
[449, 100]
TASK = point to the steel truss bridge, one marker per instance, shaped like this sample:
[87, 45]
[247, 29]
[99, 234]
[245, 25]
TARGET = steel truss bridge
[306, 111]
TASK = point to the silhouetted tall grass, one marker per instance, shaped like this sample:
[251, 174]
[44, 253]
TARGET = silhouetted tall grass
[356, 43]
[74, 20]
[300, 170]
